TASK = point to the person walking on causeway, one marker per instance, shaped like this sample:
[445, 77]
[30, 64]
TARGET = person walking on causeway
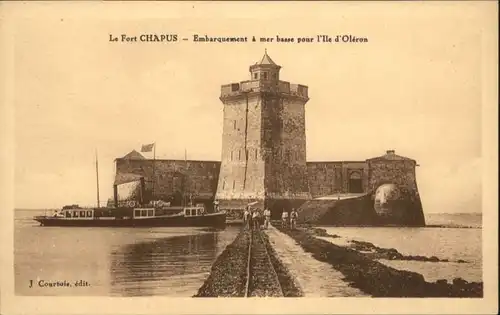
[246, 218]
[293, 219]
[255, 219]
[284, 219]
[267, 218]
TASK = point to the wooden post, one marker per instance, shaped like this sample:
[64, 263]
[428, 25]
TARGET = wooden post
[154, 173]
[115, 195]
[97, 177]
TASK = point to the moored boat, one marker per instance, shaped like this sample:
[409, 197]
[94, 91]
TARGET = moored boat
[134, 212]
[134, 217]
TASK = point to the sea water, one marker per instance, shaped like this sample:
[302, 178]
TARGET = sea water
[449, 236]
[176, 261]
[113, 261]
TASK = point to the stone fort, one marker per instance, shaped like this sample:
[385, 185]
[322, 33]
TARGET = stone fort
[264, 162]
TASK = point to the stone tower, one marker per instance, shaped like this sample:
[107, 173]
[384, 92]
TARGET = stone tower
[263, 141]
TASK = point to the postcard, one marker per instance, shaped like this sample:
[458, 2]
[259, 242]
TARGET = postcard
[249, 157]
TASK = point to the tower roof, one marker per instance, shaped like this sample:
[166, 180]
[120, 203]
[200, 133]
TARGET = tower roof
[266, 60]
[391, 156]
[133, 155]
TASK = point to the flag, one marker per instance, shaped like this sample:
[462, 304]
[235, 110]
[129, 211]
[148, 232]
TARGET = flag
[147, 147]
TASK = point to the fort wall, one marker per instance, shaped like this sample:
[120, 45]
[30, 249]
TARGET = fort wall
[172, 178]
[201, 179]
[337, 177]
[400, 172]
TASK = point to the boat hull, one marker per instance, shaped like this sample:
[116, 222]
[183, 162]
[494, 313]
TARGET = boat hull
[209, 220]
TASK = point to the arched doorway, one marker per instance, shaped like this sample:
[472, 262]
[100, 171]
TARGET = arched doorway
[355, 182]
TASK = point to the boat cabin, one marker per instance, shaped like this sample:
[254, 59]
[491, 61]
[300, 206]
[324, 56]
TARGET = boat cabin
[194, 211]
[144, 213]
[79, 213]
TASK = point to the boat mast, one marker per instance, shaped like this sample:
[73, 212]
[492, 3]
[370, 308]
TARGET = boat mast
[185, 178]
[97, 178]
[154, 174]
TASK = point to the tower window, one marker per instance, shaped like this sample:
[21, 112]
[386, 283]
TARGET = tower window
[223, 184]
[256, 150]
[255, 76]
[265, 75]
[234, 183]
[231, 155]
[239, 154]
[234, 124]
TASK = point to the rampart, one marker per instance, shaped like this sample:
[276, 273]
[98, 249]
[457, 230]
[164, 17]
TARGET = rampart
[387, 183]
[173, 179]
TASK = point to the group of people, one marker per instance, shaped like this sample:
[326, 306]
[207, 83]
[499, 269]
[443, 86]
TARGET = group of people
[289, 220]
[254, 218]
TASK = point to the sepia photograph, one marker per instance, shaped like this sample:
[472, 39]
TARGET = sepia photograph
[282, 152]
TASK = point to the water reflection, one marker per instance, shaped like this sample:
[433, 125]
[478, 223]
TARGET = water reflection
[162, 266]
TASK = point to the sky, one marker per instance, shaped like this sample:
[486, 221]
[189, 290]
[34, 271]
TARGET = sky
[414, 87]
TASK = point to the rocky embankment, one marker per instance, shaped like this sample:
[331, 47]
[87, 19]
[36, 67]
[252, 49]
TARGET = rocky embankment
[376, 252]
[229, 272]
[372, 277]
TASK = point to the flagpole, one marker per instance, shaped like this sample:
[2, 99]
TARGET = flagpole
[97, 178]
